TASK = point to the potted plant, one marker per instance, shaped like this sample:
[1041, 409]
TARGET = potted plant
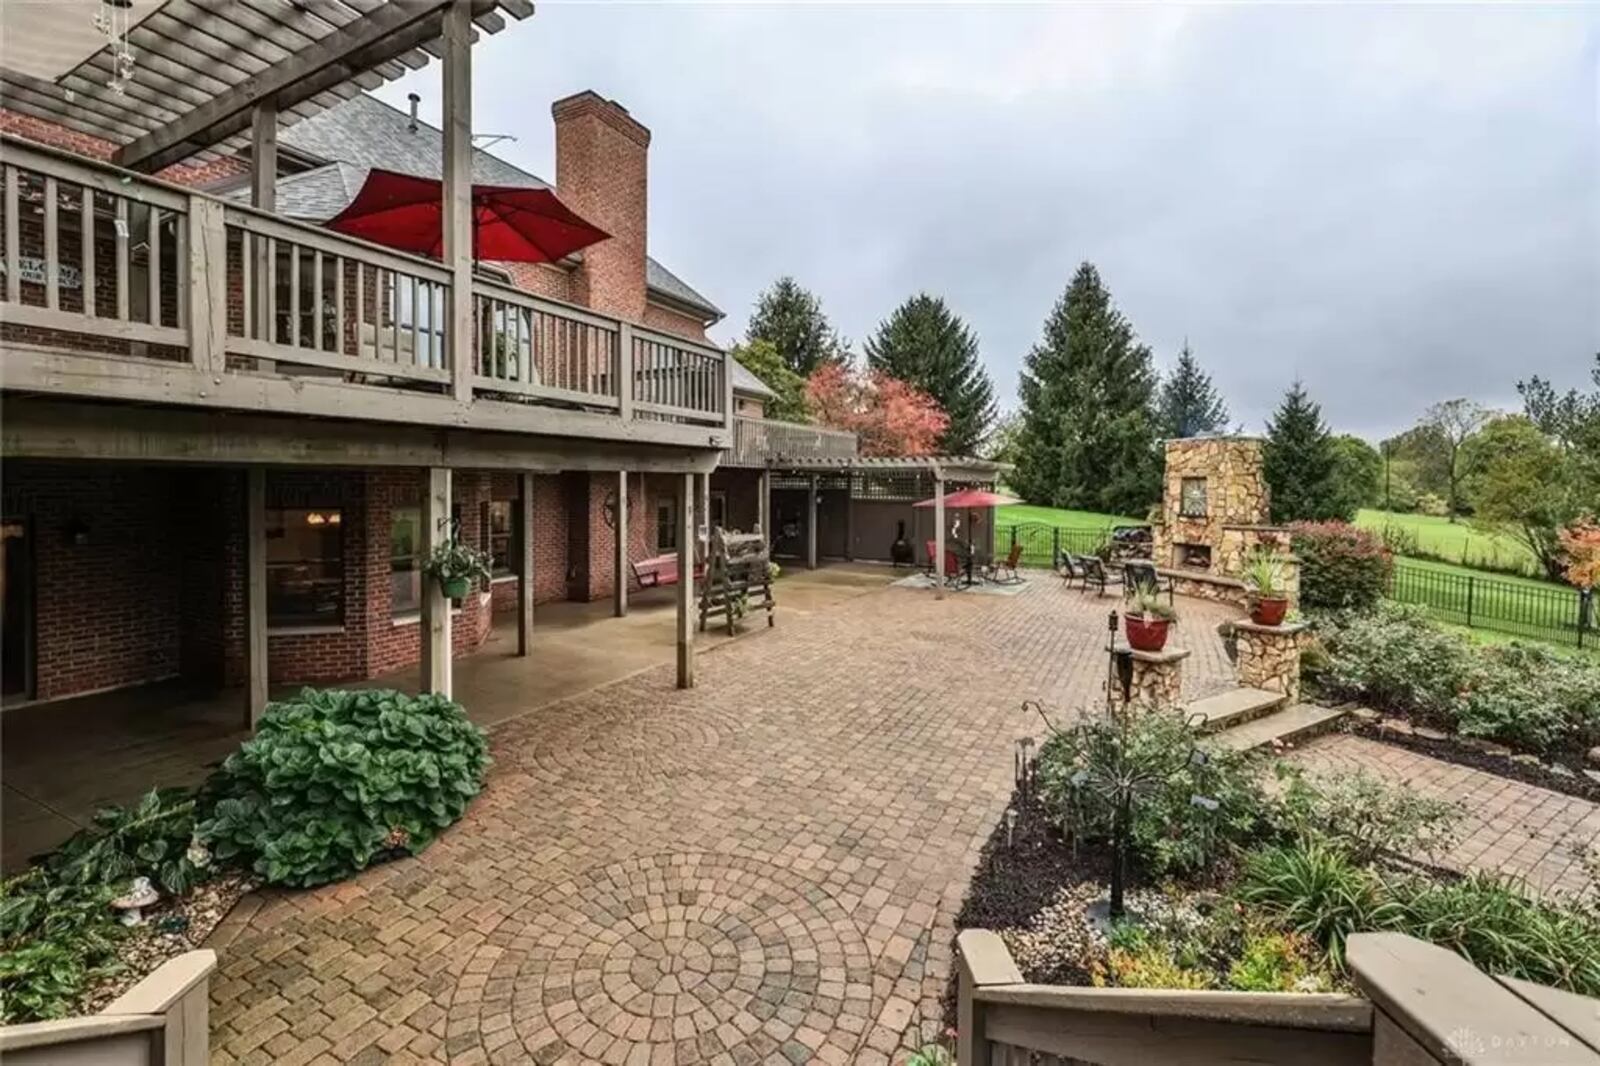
[1263, 578]
[1148, 619]
[456, 566]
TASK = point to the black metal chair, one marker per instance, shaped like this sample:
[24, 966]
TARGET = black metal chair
[1141, 572]
[1096, 574]
[1069, 569]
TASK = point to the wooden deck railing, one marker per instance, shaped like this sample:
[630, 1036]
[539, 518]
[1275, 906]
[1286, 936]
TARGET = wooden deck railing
[1423, 1005]
[759, 441]
[108, 263]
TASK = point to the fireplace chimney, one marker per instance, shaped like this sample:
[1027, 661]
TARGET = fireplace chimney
[602, 156]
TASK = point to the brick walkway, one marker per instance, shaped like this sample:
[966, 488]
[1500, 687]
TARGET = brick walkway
[1515, 828]
[761, 870]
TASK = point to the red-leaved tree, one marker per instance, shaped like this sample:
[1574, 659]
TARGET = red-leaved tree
[888, 416]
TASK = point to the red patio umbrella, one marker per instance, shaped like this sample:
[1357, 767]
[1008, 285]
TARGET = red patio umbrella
[969, 500]
[510, 224]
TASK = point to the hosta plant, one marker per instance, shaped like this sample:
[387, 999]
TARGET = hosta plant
[55, 939]
[154, 838]
[334, 779]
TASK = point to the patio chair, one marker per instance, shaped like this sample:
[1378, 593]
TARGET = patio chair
[1008, 565]
[1069, 568]
[1096, 575]
[1141, 573]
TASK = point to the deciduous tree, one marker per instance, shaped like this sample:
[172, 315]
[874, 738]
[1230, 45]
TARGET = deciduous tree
[1357, 475]
[791, 319]
[1088, 438]
[1524, 482]
[927, 345]
[1299, 461]
[889, 416]
[1453, 422]
[761, 358]
[1190, 404]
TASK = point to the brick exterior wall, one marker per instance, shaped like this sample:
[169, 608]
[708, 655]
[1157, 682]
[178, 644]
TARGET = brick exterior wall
[43, 131]
[669, 321]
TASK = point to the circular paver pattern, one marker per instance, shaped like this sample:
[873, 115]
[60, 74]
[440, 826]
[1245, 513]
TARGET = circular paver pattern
[663, 743]
[704, 952]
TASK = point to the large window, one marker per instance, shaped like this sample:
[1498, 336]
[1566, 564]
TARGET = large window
[405, 560]
[305, 567]
[666, 523]
[503, 521]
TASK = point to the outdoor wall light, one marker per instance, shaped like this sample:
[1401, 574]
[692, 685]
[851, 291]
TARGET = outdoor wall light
[77, 532]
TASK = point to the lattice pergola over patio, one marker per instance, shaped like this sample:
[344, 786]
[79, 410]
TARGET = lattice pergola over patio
[202, 66]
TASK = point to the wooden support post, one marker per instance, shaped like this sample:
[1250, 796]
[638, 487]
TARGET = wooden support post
[703, 506]
[686, 591]
[525, 570]
[938, 536]
[255, 597]
[625, 371]
[849, 516]
[982, 961]
[263, 194]
[436, 652]
[811, 524]
[764, 504]
[619, 593]
[208, 285]
[457, 206]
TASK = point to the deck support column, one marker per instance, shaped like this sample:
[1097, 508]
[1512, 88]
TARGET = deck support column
[811, 524]
[619, 592]
[849, 516]
[686, 557]
[457, 194]
[525, 563]
[764, 504]
[255, 596]
[938, 535]
[703, 505]
[263, 194]
[436, 664]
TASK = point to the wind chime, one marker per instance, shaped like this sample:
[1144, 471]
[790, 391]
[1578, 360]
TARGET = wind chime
[114, 18]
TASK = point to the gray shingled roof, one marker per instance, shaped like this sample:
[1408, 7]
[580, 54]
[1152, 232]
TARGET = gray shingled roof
[364, 132]
[746, 382]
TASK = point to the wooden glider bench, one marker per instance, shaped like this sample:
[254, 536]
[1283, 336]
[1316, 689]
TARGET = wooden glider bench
[660, 571]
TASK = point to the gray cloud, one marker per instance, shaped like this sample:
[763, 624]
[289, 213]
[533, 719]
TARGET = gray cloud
[1396, 204]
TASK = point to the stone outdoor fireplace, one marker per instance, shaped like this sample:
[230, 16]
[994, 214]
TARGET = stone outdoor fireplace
[1215, 512]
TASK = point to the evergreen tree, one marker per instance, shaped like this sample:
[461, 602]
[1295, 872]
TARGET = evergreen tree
[1299, 462]
[1088, 437]
[923, 342]
[1190, 405]
[791, 318]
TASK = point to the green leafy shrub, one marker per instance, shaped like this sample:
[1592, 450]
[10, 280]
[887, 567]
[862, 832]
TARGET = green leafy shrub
[1397, 660]
[1362, 814]
[332, 779]
[1272, 961]
[1341, 566]
[1187, 806]
[55, 939]
[1501, 929]
[155, 838]
[1150, 966]
[1314, 888]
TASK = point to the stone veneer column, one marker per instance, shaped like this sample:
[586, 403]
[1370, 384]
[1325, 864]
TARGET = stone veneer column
[1269, 656]
[1157, 679]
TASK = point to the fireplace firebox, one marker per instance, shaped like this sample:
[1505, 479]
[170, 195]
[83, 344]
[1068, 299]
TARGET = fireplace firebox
[1191, 556]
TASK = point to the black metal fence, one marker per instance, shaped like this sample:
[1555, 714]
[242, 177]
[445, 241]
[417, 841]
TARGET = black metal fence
[1042, 543]
[1565, 616]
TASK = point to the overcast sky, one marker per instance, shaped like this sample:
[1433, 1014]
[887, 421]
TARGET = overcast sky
[1397, 204]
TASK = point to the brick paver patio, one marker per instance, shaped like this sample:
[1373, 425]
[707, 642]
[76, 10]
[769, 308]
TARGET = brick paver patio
[1507, 826]
[761, 870]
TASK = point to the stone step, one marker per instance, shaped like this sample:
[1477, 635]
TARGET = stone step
[1300, 722]
[1233, 707]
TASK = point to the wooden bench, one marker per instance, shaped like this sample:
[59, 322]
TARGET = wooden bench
[660, 571]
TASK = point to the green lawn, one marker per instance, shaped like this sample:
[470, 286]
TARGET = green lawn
[1456, 542]
[1020, 513]
[1519, 607]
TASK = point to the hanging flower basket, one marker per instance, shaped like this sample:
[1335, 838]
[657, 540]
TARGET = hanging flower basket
[455, 566]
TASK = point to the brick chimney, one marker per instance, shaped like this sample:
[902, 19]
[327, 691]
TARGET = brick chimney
[601, 173]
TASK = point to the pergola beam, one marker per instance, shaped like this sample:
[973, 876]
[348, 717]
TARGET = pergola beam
[358, 46]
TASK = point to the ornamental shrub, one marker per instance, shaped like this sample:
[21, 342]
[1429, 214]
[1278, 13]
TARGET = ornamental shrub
[1341, 566]
[333, 779]
[56, 939]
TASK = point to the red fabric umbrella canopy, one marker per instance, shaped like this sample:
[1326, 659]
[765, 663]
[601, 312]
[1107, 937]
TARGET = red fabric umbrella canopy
[509, 224]
[970, 500]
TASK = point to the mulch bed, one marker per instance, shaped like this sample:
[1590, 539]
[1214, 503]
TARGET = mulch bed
[1463, 752]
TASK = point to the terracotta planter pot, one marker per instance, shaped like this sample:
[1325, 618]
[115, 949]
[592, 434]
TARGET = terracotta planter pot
[1146, 634]
[1269, 612]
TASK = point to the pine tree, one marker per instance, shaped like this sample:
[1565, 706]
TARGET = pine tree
[1190, 405]
[1088, 437]
[923, 342]
[791, 318]
[1299, 461]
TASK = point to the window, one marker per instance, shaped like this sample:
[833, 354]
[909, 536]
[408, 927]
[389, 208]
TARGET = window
[666, 524]
[503, 521]
[719, 510]
[405, 560]
[1192, 498]
[305, 567]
